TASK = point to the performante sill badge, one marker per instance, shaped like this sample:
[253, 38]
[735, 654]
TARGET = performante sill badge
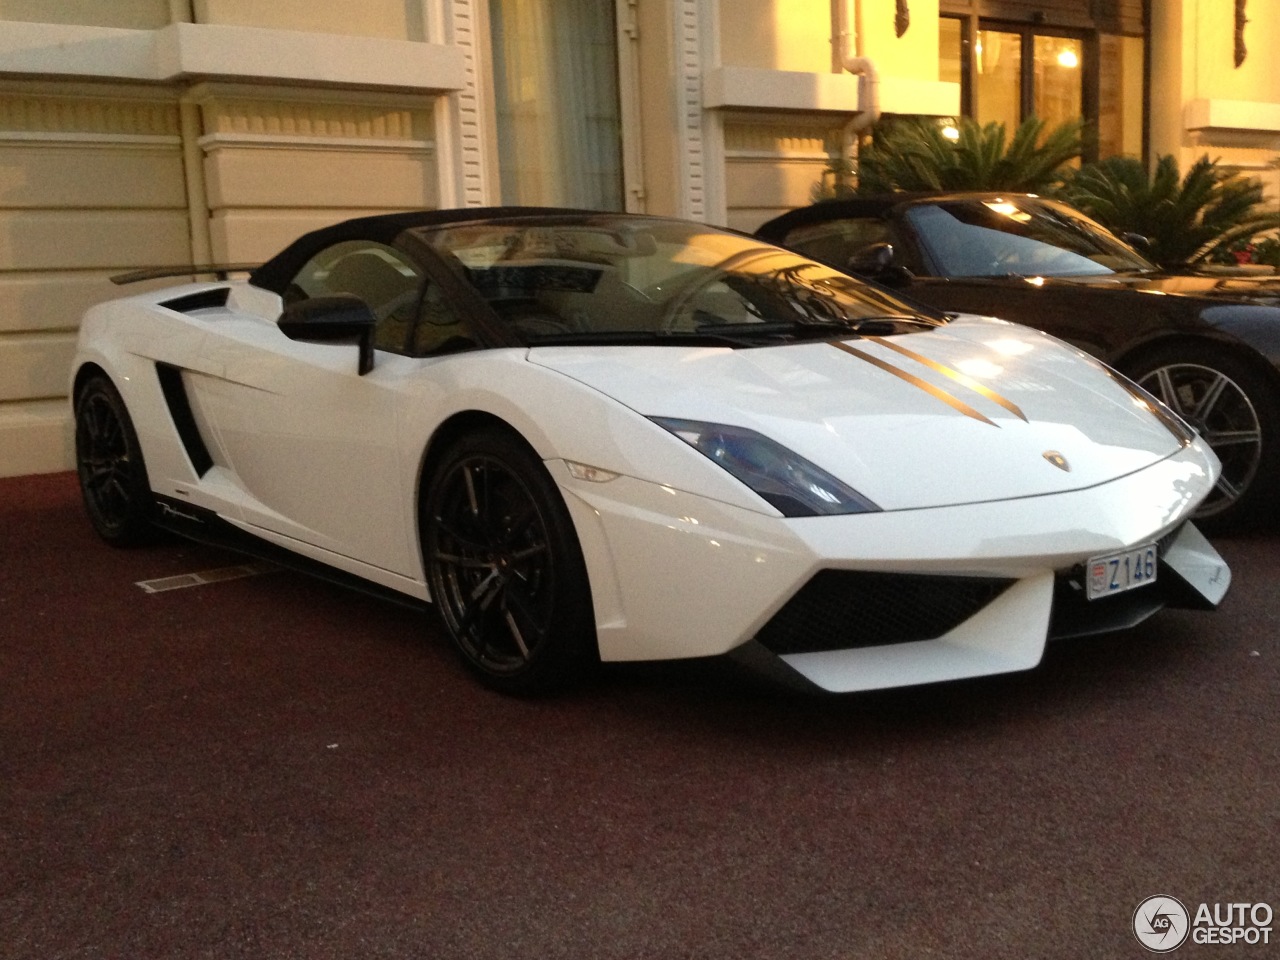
[936, 392]
[1057, 459]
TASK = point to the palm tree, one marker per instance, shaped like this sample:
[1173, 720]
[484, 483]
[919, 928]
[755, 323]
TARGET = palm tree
[917, 155]
[1183, 220]
[836, 183]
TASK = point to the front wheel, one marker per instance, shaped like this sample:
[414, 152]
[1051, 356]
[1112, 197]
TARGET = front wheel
[113, 477]
[1237, 413]
[504, 566]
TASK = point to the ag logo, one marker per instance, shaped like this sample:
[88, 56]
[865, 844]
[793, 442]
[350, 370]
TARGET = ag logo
[1161, 924]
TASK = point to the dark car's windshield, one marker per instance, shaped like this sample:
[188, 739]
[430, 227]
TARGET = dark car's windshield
[607, 279]
[1017, 236]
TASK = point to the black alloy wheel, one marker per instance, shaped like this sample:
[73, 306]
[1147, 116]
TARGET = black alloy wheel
[113, 477]
[1236, 413]
[504, 566]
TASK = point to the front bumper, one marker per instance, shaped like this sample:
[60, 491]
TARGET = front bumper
[1009, 632]
[676, 575]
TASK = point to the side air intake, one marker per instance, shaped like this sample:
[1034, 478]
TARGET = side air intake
[179, 404]
[204, 300]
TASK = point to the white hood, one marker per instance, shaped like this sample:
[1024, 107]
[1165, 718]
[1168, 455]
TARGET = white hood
[977, 410]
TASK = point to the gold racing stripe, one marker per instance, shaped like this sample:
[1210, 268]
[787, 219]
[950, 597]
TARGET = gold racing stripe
[955, 375]
[937, 392]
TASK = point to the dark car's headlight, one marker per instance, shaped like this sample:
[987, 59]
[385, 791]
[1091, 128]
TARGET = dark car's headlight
[796, 487]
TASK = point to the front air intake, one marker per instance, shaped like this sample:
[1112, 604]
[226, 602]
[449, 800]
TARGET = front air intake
[842, 609]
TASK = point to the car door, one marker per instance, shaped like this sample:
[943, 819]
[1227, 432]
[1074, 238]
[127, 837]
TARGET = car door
[311, 442]
[1094, 321]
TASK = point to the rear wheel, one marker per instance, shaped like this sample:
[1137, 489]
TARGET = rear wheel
[504, 566]
[1237, 413]
[113, 477]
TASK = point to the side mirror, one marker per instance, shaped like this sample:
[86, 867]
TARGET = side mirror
[1138, 242]
[875, 262]
[872, 260]
[342, 318]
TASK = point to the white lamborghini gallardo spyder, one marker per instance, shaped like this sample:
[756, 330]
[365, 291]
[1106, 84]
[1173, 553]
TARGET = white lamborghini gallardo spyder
[598, 436]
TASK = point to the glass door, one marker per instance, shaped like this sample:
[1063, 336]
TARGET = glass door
[1008, 72]
[1057, 87]
[999, 82]
[1020, 72]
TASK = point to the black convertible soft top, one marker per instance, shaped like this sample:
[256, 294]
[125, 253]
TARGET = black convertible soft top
[276, 273]
[877, 205]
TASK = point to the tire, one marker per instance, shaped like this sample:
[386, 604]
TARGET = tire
[504, 567]
[1237, 412]
[113, 476]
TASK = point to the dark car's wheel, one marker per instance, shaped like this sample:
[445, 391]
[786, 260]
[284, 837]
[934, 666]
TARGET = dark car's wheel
[504, 566]
[1237, 413]
[113, 477]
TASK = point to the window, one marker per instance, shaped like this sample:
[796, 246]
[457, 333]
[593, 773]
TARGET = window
[379, 275]
[1120, 97]
[1058, 73]
[1021, 73]
[951, 50]
[1016, 237]
[555, 82]
[596, 279]
[439, 328]
[999, 80]
[1057, 87]
[837, 242]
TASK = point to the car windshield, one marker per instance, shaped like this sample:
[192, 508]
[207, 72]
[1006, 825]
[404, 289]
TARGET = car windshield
[609, 279]
[1020, 237]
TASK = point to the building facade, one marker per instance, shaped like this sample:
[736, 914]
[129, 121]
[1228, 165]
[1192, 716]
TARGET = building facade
[144, 132]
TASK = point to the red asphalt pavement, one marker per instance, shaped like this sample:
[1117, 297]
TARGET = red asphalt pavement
[269, 767]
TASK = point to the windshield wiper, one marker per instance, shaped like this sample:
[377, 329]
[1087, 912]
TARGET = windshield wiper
[875, 326]
[731, 334]
[857, 322]
[697, 338]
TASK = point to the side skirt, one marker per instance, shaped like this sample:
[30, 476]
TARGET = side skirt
[205, 526]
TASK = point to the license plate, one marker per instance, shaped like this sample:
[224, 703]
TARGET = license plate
[1118, 572]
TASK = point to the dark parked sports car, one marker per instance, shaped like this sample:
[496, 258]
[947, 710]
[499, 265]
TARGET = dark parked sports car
[1207, 345]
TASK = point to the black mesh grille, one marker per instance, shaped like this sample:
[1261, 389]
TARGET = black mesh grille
[839, 609]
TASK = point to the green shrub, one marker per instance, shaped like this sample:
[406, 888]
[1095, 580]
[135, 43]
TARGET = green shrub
[914, 154]
[1201, 216]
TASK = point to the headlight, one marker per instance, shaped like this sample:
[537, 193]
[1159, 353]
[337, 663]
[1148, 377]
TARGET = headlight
[796, 487]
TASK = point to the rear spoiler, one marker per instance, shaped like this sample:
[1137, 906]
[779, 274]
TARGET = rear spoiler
[219, 270]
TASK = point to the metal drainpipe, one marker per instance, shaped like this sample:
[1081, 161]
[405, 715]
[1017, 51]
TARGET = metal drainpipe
[849, 24]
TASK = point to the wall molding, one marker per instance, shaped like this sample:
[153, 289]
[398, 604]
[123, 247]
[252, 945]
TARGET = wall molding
[183, 50]
[22, 138]
[781, 137]
[771, 157]
[755, 88]
[213, 142]
[464, 177]
[1206, 115]
[299, 120]
[40, 115]
[689, 120]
